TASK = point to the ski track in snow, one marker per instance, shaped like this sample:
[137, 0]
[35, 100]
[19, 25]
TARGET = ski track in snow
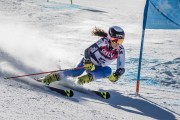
[40, 36]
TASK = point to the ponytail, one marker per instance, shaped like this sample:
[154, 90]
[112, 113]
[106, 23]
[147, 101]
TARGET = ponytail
[99, 32]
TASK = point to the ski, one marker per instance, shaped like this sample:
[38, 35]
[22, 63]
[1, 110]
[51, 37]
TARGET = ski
[67, 92]
[104, 95]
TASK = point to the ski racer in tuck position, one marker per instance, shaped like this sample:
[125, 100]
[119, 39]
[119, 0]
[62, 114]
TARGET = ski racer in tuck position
[96, 59]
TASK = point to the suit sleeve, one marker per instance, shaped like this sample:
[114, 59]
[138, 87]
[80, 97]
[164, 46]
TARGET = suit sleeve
[93, 48]
[121, 62]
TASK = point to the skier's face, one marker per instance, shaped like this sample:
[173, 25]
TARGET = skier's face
[115, 45]
[116, 42]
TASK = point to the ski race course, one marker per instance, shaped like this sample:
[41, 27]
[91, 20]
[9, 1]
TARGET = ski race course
[38, 36]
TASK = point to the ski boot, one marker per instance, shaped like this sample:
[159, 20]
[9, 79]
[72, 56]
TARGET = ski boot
[85, 79]
[50, 78]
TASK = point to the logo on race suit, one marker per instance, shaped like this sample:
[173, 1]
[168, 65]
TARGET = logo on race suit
[93, 49]
[110, 54]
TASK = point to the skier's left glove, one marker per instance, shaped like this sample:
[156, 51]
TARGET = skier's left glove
[116, 75]
[113, 77]
[88, 65]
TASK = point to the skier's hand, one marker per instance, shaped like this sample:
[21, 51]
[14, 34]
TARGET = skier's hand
[113, 77]
[116, 75]
[88, 65]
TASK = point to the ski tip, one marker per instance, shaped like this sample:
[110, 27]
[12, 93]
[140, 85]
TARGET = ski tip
[106, 95]
[69, 93]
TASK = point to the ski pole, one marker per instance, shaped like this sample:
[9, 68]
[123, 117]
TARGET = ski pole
[77, 68]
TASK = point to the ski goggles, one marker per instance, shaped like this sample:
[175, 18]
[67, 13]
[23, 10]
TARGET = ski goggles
[116, 40]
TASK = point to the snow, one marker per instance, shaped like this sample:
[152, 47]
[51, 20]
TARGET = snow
[37, 36]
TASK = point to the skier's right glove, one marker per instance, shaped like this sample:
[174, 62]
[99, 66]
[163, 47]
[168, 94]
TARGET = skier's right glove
[88, 65]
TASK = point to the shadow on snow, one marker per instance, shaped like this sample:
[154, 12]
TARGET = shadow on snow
[139, 105]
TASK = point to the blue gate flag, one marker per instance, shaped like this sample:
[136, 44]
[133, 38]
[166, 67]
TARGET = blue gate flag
[158, 14]
[163, 14]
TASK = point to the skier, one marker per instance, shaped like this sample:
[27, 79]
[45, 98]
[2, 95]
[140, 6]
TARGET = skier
[97, 57]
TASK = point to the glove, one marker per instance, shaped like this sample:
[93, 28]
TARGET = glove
[88, 65]
[114, 77]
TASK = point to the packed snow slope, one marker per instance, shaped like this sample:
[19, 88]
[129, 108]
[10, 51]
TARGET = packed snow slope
[37, 36]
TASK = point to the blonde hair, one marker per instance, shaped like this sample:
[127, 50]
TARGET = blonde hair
[99, 32]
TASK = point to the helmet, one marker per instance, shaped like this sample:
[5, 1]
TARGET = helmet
[116, 32]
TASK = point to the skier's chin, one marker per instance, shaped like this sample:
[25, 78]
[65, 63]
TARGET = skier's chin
[115, 46]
